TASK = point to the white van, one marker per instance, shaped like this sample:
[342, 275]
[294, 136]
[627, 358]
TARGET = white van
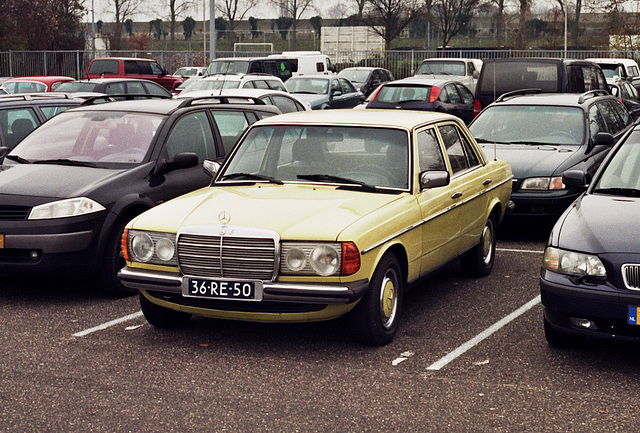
[620, 68]
[308, 63]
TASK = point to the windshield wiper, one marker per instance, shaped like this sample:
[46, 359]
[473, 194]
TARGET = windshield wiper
[252, 176]
[331, 178]
[532, 143]
[64, 161]
[627, 192]
[18, 158]
[484, 140]
[306, 92]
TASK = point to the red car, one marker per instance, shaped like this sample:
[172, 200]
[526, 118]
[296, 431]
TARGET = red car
[34, 84]
[126, 67]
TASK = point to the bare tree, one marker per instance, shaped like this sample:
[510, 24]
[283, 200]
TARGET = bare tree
[501, 6]
[451, 16]
[177, 9]
[121, 11]
[235, 10]
[523, 8]
[293, 9]
[388, 18]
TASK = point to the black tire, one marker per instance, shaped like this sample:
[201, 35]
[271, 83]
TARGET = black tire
[113, 261]
[478, 262]
[555, 338]
[375, 318]
[162, 317]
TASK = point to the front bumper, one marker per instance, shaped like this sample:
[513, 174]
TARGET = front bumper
[605, 306]
[542, 204]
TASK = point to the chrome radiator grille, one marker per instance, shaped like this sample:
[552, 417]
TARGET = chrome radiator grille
[631, 276]
[212, 256]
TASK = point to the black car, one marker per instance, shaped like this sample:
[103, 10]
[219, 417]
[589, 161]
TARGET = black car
[428, 94]
[544, 135]
[22, 113]
[590, 279]
[366, 79]
[68, 189]
[626, 93]
[115, 86]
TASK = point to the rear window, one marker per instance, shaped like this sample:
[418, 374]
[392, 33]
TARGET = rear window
[504, 77]
[104, 67]
[442, 68]
[400, 94]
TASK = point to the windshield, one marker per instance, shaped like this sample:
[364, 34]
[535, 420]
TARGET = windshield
[96, 137]
[355, 76]
[76, 86]
[622, 173]
[368, 155]
[316, 86]
[530, 124]
[228, 67]
[399, 94]
[441, 68]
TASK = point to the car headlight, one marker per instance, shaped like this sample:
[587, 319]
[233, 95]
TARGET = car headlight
[324, 259]
[150, 247]
[542, 183]
[573, 263]
[65, 208]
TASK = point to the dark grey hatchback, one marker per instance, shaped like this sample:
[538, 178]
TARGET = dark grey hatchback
[543, 135]
[590, 279]
[68, 189]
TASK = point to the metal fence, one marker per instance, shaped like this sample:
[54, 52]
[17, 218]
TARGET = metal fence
[400, 63]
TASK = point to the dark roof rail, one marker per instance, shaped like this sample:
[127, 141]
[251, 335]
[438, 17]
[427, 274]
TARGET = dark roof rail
[33, 96]
[592, 94]
[222, 99]
[519, 92]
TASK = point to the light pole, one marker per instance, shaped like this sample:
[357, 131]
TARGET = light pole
[566, 12]
[212, 30]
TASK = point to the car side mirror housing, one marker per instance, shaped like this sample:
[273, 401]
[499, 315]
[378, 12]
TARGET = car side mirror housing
[574, 178]
[211, 167]
[434, 179]
[4, 150]
[603, 138]
[178, 162]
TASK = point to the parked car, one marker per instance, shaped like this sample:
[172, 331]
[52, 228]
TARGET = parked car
[544, 135]
[465, 71]
[323, 92]
[187, 72]
[286, 102]
[627, 94]
[499, 76]
[316, 215]
[33, 84]
[115, 86]
[22, 113]
[366, 79]
[235, 81]
[428, 94]
[68, 189]
[126, 67]
[186, 85]
[620, 68]
[307, 63]
[276, 66]
[590, 279]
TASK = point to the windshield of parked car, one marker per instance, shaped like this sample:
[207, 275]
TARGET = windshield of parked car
[530, 124]
[212, 85]
[621, 176]
[441, 68]
[90, 136]
[355, 76]
[228, 67]
[316, 86]
[76, 86]
[399, 94]
[325, 154]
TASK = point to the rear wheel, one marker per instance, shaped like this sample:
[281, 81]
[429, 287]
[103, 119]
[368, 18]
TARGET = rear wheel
[478, 262]
[162, 317]
[375, 318]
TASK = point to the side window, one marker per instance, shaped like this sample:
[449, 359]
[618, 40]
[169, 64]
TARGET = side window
[596, 122]
[465, 94]
[104, 67]
[16, 124]
[614, 124]
[444, 95]
[155, 89]
[261, 84]
[319, 67]
[136, 88]
[156, 69]
[459, 152]
[248, 85]
[145, 68]
[429, 153]
[335, 87]
[576, 80]
[231, 125]
[49, 112]
[276, 85]
[623, 113]
[347, 87]
[454, 98]
[285, 104]
[131, 67]
[192, 133]
[114, 89]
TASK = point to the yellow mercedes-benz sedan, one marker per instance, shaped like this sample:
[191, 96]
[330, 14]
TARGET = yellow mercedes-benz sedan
[318, 214]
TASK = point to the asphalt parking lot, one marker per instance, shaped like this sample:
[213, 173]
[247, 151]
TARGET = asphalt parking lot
[470, 357]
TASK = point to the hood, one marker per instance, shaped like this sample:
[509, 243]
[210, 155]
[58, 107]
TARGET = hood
[54, 181]
[294, 211]
[533, 161]
[601, 223]
[311, 99]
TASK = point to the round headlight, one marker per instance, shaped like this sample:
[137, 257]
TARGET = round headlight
[142, 247]
[295, 259]
[165, 249]
[325, 260]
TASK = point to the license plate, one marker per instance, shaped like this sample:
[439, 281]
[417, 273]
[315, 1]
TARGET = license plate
[632, 316]
[222, 289]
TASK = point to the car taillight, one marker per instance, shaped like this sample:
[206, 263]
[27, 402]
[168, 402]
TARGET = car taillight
[433, 95]
[375, 93]
[477, 107]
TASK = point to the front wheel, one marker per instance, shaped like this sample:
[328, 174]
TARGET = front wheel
[375, 318]
[478, 262]
[162, 317]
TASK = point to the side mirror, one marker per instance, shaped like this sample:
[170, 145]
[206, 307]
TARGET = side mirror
[434, 179]
[180, 161]
[575, 178]
[4, 150]
[476, 75]
[211, 167]
[603, 138]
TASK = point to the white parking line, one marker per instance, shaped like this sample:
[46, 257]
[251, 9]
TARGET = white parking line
[513, 250]
[108, 324]
[484, 334]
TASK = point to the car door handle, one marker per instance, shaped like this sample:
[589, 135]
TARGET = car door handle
[456, 195]
[486, 182]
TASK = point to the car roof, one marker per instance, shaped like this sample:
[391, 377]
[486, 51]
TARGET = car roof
[37, 98]
[407, 119]
[112, 80]
[419, 79]
[553, 99]
[124, 58]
